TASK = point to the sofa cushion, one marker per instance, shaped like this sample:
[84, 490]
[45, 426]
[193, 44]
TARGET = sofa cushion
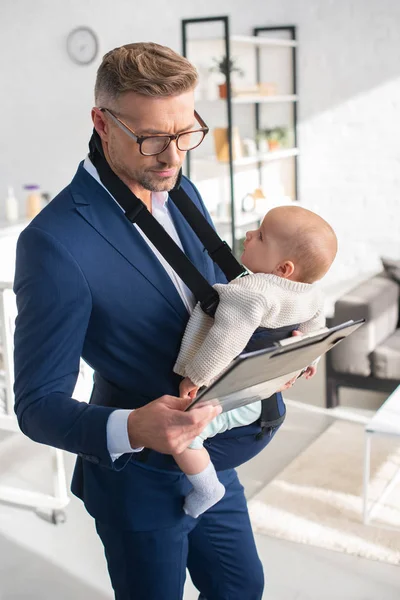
[392, 268]
[376, 301]
[385, 360]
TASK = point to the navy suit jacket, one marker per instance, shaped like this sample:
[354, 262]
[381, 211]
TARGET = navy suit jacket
[88, 285]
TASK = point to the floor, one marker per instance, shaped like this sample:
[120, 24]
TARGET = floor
[40, 561]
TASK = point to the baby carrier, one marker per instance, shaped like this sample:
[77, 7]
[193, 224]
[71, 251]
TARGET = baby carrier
[273, 408]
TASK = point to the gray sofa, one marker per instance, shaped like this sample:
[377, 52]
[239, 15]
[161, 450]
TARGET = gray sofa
[370, 357]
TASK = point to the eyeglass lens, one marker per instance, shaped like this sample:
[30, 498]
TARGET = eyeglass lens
[186, 141]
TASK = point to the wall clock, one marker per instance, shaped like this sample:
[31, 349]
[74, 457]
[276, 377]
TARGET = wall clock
[82, 45]
[248, 203]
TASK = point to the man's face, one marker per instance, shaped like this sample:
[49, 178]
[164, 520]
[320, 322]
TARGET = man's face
[262, 253]
[146, 115]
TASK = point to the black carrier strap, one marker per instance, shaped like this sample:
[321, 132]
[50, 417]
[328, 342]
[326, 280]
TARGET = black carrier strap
[136, 212]
[270, 414]
[219, 251]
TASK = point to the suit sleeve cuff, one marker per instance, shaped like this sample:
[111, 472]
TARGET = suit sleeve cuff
[117, 434]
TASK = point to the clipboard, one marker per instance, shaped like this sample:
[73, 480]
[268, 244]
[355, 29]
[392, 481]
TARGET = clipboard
[257, 375]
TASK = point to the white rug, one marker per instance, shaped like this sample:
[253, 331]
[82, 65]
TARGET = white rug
[317, 499]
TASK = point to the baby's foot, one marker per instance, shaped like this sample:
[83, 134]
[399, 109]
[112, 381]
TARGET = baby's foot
[207, 491]
[198, 501]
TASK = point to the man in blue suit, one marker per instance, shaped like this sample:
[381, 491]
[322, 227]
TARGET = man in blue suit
[89, 283]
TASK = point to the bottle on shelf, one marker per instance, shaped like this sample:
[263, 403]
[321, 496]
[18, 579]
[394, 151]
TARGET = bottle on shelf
[11, 206]
[34, 201]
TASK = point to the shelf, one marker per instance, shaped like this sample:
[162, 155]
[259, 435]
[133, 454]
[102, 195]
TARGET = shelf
[251, 40]
[241, 219]
[253, 160]
[250, 99]
[262, 41]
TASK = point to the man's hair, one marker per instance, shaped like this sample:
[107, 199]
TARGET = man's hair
[145, 68]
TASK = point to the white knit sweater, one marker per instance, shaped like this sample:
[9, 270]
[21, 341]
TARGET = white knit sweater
[257, 300]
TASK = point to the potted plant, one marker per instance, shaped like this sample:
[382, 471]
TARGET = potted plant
[224, 66]
[276, 137]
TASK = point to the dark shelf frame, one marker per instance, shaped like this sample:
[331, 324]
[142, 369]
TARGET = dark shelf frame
[291, 29]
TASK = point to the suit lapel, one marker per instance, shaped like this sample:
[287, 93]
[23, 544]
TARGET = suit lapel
[98, 208]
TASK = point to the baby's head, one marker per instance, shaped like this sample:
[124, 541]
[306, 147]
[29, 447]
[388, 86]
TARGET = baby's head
[291, 242]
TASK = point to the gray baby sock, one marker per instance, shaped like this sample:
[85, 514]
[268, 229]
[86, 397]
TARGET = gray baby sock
[207, 491]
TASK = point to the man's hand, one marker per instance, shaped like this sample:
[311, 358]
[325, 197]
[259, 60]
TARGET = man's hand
[162, 425]
[187, 389]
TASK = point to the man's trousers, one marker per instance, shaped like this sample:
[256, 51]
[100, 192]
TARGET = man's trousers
[149, 562]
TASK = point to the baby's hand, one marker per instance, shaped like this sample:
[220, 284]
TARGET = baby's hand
[187, 389]
[310, 371]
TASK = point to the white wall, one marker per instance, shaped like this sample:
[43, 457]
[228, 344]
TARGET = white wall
[349, 79]
[349, 83]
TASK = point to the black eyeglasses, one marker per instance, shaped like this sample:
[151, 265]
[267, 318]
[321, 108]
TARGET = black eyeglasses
[151, 145]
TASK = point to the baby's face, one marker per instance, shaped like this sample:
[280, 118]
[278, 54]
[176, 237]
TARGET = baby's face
[262, 253]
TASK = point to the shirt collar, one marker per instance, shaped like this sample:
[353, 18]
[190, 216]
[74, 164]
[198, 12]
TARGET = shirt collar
[158, 199]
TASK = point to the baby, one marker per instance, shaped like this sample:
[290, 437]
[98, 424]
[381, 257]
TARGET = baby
[291, 250]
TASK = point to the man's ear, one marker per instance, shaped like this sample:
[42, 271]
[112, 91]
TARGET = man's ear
[99, 123]
[285, 269]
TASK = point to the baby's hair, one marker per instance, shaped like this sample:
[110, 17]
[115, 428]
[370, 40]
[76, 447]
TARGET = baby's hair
[309, 241]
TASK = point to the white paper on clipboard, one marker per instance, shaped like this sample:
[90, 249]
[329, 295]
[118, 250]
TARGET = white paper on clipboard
[257, 375]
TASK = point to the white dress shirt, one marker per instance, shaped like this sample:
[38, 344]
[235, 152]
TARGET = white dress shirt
[117, 424]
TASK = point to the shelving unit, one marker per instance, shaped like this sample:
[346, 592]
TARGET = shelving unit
[224, 183]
